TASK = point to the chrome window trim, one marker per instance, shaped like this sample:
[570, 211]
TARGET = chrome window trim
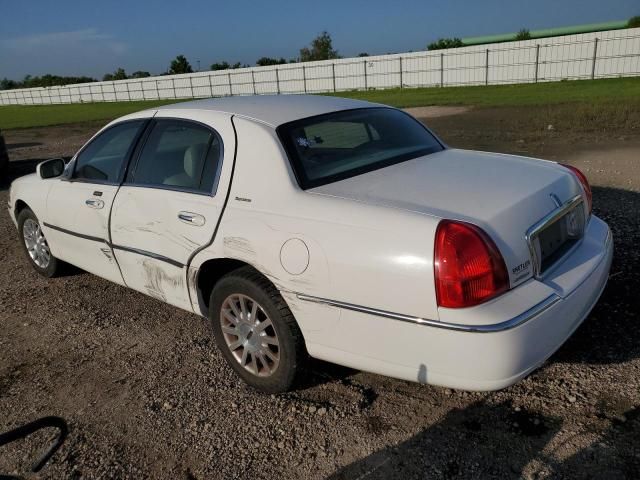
[547, 220]
[133, 164]
[492, 328]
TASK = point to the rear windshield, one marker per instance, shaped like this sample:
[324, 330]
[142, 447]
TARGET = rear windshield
[339, 145]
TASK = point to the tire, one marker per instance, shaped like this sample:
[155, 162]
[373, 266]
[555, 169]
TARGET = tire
[49, 268]
[4, 159]
[248, 344]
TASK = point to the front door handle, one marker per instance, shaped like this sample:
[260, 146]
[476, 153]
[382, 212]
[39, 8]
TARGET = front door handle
[191, 218]
[94, 203]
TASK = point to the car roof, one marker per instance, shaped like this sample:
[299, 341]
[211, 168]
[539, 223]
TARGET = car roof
[273, 110]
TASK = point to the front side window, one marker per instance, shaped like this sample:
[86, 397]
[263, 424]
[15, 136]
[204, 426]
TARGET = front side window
[344, 144]
[180, 155]
[103, 159]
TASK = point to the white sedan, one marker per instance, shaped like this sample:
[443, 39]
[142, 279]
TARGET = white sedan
[335, 228]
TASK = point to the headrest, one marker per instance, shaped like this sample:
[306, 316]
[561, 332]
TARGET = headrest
[193, 158]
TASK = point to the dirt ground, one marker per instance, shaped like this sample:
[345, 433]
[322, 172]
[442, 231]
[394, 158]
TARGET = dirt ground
[146, 394]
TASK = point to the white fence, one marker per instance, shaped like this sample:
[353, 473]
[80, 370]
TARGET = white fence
[614, 53]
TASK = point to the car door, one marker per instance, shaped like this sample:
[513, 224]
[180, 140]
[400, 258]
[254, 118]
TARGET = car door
[78, 205]
[170, 204]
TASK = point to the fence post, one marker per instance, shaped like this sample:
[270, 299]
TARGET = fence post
[401, 82]
[277, 81]
[366, 80]
[173, 86]
[253, 82]
[128, 92]
[333, 74]
[210, 86]
[595, 56]
[158, 90]
[486, 68]
[537, 61]
[442, 70]
[190, 86]
[304, 77]
[142, 90]
[229, 82]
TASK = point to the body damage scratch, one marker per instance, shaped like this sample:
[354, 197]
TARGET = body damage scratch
[239, 245]
[107, 253]
[160, 282]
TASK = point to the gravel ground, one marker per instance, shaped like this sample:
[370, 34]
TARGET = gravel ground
[146, 394]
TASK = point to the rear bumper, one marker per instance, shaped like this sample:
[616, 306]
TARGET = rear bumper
[501, 342]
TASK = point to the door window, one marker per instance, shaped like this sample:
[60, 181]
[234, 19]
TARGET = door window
[102, 160]
[179, 155]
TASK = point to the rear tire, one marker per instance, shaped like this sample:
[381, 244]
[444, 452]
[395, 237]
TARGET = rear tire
[35, 245]
[255, 331]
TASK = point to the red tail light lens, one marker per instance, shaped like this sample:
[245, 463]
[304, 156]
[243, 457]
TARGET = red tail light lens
[468, 266]
[582, 178]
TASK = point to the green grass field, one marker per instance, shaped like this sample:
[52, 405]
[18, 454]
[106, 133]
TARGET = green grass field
[617, 91]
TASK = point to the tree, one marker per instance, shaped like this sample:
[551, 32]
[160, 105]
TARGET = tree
[6, 84]
[43, 81]
[266, 61]
[321, 48]
[445, 43]
[180, 65]
[634, 22]
[523, 34]
[119, 74]
[363, 54]
[220, 66]
[140, 74]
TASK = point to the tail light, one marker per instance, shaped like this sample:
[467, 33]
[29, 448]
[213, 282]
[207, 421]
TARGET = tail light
[468, 266]
[582, 178]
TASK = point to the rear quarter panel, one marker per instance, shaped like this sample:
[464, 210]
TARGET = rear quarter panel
[357, 253]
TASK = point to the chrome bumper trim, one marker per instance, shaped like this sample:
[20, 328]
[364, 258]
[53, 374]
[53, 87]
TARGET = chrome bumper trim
[496, 327]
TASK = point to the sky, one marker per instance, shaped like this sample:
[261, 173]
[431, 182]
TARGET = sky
[90, 37]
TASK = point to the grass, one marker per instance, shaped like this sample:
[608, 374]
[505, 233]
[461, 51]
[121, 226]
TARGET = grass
[591, 93]
[25, 116]
[618, 90]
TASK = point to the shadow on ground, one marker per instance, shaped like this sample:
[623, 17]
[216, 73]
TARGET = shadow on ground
[610, 334]
[495, 441]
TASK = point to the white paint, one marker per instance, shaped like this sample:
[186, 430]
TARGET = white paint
[294, 256]
[365, 241]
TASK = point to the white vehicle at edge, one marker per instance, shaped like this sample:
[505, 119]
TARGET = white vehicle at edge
[336, 228]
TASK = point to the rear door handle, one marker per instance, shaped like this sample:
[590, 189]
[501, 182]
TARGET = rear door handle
[191, 218]
[94, 203]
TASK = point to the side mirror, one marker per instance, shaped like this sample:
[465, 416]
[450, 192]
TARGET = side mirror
[50, 168]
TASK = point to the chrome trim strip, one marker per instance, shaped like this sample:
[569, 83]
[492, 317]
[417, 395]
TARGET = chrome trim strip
[75, 234]
[496, 327]
[146, 253]
[547, 220]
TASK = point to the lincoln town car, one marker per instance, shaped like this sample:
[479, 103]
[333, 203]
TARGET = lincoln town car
[309, 226]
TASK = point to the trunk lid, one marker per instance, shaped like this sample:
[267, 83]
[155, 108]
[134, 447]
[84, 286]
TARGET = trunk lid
[505, 195]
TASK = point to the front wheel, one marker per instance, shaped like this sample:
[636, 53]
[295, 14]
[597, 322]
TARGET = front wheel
[256, 331]
[35, 245]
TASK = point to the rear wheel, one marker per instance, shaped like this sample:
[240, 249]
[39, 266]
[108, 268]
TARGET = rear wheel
[35, 245]
[256, 331]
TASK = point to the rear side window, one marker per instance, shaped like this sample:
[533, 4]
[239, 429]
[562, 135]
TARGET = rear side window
[103, 159]
[339, 145]
[179, 155]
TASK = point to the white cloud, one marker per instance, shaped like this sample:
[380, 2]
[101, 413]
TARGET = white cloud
[79, 52]
[87, 38]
